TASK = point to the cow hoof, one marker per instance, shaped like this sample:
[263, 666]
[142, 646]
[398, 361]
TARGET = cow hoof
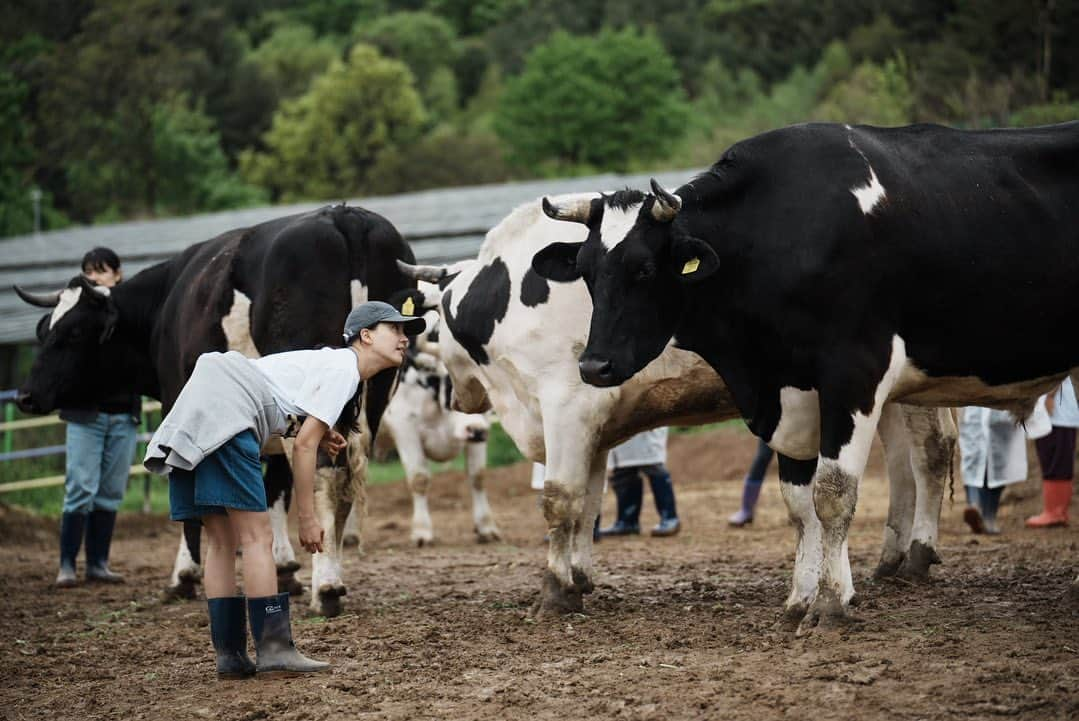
[288, 567]
[826, 612]
[350, 540]
[890, 567]
[422, 539]
[555, 600]
[793, 613]
[328, 601]
[288, 583]
[582, 583]
[489, 536]
[915, 566]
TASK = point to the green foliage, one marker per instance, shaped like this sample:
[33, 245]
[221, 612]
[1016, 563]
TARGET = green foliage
[1060, 111]
[194, 174]
[603, 101]
[874, 94]
[324, 143]
[422, 41]
[291, 57]
[470, 17]
[444, 158]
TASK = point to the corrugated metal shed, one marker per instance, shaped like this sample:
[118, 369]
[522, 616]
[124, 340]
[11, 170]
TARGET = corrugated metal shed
[441, 225]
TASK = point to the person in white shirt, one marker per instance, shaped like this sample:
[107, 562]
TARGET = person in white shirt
[209, 445]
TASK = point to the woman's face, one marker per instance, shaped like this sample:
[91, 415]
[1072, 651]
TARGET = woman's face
[388, 342]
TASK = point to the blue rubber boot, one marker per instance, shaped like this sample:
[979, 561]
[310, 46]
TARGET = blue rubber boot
[751, 491]
[628, 491]
[663, 494]
[228, 630]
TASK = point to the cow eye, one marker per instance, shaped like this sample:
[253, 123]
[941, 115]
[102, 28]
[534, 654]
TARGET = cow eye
[645, 273]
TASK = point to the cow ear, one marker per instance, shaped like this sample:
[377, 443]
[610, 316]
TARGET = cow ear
[693, 260]
[558, 262]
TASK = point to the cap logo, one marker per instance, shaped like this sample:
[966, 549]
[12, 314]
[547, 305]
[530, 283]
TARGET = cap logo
[691, 266]
[408, 307]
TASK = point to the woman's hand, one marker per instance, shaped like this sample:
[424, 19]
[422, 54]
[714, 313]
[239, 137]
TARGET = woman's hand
[332, 443]
[311, 534]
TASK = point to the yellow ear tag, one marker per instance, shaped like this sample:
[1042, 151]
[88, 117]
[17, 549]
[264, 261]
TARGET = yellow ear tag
[691, 266]
[408, 307]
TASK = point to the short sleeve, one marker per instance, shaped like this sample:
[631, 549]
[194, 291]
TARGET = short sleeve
[325, 394]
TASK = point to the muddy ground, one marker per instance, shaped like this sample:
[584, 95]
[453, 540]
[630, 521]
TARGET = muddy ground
[678, 628]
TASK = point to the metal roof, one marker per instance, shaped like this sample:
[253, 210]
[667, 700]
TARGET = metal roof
[441, 226]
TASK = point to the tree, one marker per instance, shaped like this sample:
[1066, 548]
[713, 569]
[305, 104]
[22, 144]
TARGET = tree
[603, 102]
[422, 41]
[443, 158]
[291, 57]
[324, 143]
[875, 94]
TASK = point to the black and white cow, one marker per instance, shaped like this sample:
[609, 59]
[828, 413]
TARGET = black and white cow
[281, 285]
[825, 269]
[511, 341]
[420, 424]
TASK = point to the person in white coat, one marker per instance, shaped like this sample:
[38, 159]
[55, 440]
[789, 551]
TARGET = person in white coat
[1056, 453]
[644, 453]
[993, 452]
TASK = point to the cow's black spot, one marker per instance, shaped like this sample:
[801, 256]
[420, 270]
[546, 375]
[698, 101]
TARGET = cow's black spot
[534, 289]
[484, 305]
[795, 472]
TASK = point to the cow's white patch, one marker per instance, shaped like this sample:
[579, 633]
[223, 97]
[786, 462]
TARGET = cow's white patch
[236, 325]
[869, 195]
[68, 298]
[283, 554]
[358, 291]
[853, 456]
[797, 434]
[617, 223]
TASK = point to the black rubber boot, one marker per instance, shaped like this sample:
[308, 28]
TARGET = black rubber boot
[628, 492]
[72, 526]
[228, 630]
[663, 494]
[99, 526]
[276, 654]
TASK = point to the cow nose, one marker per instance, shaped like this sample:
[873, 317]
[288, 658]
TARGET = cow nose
[596, 372]
[24, 402]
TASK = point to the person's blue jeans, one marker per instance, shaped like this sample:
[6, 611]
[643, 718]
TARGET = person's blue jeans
[99, 456]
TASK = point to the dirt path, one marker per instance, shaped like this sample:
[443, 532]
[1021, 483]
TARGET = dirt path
[678, 628]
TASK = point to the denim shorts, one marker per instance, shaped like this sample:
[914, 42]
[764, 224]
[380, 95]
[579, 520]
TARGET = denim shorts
[230, 477]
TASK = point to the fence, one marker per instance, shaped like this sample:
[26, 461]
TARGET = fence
[10, 425]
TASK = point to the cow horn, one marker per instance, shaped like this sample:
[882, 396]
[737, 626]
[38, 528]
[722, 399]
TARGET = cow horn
[429, 273]
[578, 211]
[48, 300]
[667, 204]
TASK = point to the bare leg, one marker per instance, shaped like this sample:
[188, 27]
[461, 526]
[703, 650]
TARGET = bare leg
[253, 531]
[219, 576]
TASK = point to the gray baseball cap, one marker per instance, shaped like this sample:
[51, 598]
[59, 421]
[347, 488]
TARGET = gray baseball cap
[373, 312]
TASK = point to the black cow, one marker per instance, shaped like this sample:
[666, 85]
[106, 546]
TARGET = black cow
[823, 269]
[282, 285]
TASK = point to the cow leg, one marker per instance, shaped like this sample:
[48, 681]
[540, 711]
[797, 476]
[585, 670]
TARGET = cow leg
[581, 559]
[278, 480]
[797, 490]
[186, 572]
[846, 438]
[933, 436]
[418, 477]
[902, 491]
[352, 530]
[476, 466]
[337, 490]
[332, 509]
